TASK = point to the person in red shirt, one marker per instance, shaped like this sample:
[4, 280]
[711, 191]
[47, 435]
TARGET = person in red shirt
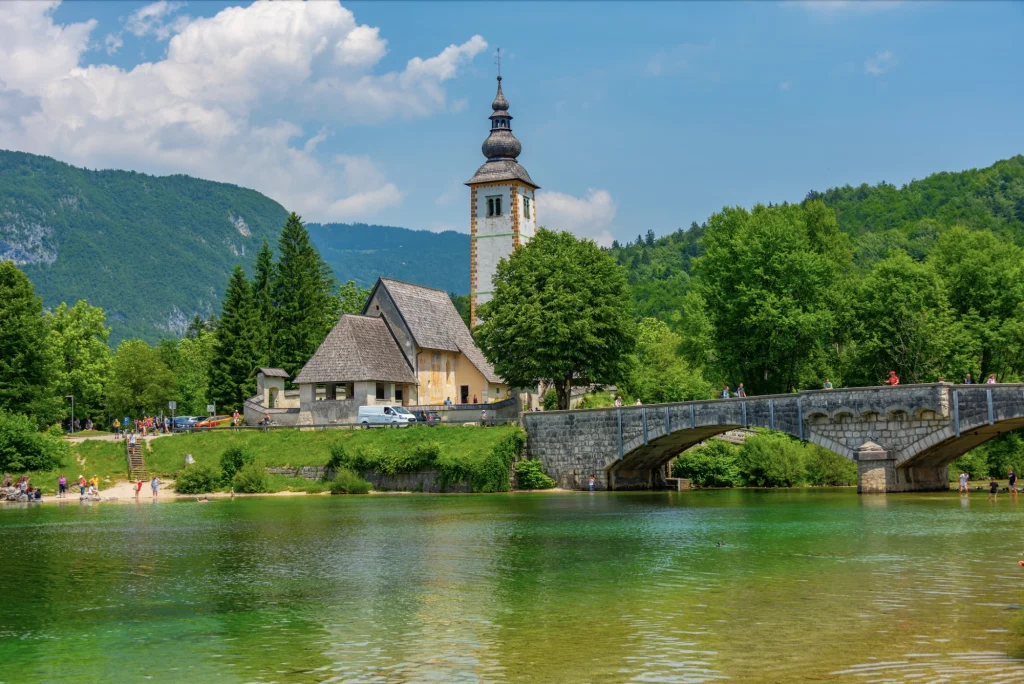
[892, 379]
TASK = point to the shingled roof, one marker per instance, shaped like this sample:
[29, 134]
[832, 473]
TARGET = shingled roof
[435, 323]
[272, 372]
[358, 348]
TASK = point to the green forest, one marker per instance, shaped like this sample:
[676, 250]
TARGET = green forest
[153, 252]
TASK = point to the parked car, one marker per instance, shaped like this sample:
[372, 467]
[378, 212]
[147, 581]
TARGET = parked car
[185, 422]
[430, 418]
[384, 416]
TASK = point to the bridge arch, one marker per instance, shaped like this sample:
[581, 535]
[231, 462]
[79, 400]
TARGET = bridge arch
[919, 430]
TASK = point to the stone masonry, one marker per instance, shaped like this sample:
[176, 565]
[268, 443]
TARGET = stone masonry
[903, 438]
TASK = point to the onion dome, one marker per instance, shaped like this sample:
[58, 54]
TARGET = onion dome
[501, 144]
[501, 148]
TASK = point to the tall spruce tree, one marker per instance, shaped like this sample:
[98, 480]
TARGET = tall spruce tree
[304, 306]
[27, 364]
[234, 353]
[262, 301]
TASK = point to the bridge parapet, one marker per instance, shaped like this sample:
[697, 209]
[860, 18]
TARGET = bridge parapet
[921, 427]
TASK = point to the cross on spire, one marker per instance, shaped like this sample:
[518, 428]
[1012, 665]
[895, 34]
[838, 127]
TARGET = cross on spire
[497, 60]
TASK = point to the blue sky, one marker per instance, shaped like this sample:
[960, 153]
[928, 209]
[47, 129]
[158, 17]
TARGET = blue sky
[632, 116]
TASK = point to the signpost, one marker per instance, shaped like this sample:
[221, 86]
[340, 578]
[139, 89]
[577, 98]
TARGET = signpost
[211, 409]
[172, 405]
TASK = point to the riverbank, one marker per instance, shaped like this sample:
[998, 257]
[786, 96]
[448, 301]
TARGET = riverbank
[466, 449]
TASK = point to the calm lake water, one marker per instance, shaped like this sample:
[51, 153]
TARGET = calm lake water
[811, 585]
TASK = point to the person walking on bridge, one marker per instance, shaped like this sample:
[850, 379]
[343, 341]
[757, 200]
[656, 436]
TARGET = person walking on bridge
[968, 380]
[991, 379]
[741, 391]
[827, 385]
[725, 392]
[893, 379]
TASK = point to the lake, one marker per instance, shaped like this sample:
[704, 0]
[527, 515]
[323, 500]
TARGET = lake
[810, 585]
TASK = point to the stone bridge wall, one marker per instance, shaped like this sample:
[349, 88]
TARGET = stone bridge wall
[918, 429]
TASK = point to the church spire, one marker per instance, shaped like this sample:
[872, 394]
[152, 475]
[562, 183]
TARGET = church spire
[501, 144]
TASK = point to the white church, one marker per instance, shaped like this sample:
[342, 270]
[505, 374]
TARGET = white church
[409, 347]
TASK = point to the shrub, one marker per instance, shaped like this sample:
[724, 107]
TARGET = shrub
[22, 448]
[347, 482]
[712, 465]
[530, 475]
[55, 430]
[770, 460]
[828, 468]
[251, 478]
[232, 461]
[550, 400]
[196, 479]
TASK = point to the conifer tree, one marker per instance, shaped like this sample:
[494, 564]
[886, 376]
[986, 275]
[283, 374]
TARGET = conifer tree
[234, 353]
[262, 303]
[302, 294]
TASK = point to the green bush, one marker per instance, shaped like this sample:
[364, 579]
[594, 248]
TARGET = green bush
[770, 460]
[347, 482]
[196, 479]
[550, 400]
[55, 430]
[251, 478]
[712, 465]
[232, 460]
[23, 449]
[530, 475]
[828, 468]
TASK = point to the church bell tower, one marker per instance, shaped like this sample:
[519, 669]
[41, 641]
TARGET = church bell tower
[502, 212]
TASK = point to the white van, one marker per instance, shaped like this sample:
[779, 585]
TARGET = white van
[384, 416]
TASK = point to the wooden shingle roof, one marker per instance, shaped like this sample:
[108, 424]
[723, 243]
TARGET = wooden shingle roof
[273, 372]
[435, 323]
[358, 348]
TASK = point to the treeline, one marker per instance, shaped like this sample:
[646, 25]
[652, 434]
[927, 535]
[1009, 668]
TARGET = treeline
[279, 318]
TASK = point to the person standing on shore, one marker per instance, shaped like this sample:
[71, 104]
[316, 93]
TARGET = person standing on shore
[592, 480]
[62, 486]
[1013, 482]
[81, 485]
[155, 484]
[138, 487]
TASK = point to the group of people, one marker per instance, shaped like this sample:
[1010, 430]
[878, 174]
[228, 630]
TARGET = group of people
[968, 380]
[143, 426]
[993, 486]
[24, 486]
[76, 425]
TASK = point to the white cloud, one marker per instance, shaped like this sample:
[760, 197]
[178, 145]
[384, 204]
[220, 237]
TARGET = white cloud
[880, 63]
[785, 85]
[113, 42]
[587, 217]
[230, 101]
[151, 20]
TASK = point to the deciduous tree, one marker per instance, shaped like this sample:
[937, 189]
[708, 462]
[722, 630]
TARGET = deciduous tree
[27, 364]
[561, 313]
[140, 382]
[78, 337]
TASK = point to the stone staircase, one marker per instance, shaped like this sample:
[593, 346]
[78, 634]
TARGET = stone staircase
[136, 463]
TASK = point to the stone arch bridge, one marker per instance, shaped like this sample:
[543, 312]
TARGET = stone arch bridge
[902, 438]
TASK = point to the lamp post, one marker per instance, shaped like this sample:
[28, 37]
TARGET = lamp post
[72, 398]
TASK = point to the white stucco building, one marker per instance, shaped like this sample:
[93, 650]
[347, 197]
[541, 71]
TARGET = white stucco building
[503, 214]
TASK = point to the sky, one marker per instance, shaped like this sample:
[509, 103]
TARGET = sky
[632, 116]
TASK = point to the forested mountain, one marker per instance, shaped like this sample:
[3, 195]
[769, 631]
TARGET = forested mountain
[878, 220]
[152, 252]
[363, 252]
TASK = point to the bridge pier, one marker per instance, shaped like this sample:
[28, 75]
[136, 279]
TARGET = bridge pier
[877, 473]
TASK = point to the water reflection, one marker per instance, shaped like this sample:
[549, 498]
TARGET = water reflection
[806, 585]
